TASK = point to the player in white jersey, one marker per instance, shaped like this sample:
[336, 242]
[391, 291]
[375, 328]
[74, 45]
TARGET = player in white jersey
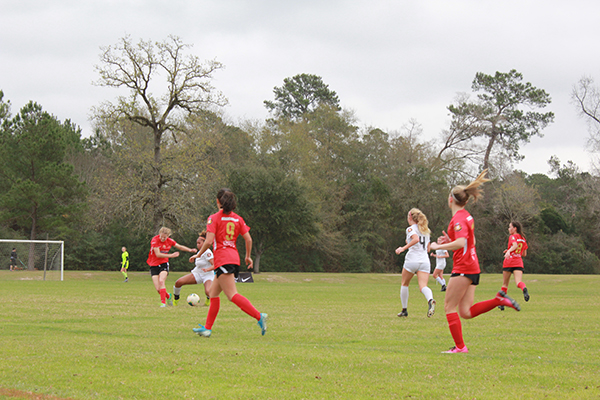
[197, 276]
[417, 260]
[440, 264]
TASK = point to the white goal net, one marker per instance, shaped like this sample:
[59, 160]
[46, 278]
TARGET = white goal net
[41, 259]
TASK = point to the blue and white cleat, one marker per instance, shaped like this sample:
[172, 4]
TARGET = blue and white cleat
[202, 331]
[262, 322]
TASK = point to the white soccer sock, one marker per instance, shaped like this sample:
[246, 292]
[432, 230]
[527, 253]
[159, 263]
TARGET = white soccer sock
[427, 293]
[404, 296]
[440, 280]
[176, 291]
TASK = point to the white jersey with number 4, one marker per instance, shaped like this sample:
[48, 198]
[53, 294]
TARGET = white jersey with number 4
[417, 253]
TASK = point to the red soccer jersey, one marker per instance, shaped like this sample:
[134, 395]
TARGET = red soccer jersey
[465, 259]
[515, 259]
[227, 228]
[165, 246]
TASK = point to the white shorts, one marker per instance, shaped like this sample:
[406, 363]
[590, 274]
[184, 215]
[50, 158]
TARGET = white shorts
[202, 277]
[414, 267]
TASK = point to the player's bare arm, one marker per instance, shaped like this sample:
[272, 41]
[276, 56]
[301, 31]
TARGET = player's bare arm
[414, 239]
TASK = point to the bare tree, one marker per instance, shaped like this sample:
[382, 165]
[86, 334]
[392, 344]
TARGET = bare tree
[186, 90]
[514, 200]
[586, 97]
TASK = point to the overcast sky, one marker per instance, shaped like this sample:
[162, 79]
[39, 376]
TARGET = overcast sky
[388, 61]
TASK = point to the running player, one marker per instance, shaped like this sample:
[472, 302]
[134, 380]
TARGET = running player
[465, 272]
[197, 276]
[158, 260]
[417, 260]
[513, 259]
[440, 265]
[124, 262]
[223, 228]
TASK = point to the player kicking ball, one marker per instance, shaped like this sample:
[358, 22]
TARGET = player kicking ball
[158, 260]
[197, 275]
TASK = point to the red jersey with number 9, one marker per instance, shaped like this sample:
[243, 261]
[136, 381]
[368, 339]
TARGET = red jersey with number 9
[515, 259]
[227, 228]
[465, 260]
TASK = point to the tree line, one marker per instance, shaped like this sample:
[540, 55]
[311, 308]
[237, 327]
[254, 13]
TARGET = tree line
[320, 192]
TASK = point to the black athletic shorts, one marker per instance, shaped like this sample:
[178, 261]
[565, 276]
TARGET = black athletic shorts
[512, 269]
[228, 269]
[159, 268]
[473, 277]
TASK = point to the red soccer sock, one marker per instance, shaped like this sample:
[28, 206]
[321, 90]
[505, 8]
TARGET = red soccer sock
[213, 310]
[163, 295]
[455, 329]
[521, 285]
[504, 289]
[245, 305]
[485, 306]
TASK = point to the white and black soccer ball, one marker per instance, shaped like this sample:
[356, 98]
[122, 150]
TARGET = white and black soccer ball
[193, 299]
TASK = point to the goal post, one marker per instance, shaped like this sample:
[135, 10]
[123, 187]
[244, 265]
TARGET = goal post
[42, 256]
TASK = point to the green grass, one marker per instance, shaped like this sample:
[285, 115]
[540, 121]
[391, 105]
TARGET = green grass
[331, 336]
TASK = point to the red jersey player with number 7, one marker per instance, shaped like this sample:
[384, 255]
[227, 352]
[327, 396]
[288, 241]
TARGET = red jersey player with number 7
[513, 259]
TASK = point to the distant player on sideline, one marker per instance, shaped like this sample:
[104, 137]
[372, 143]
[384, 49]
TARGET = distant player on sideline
[440, 265]
[223, 228]
[13, 259]
[124, 262]
[197, 276]
[513, 259]
[417, 260]
[465, 271]
[159, 264]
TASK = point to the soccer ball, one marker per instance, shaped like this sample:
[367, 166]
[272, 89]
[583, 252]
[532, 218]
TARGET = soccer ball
[193, 299]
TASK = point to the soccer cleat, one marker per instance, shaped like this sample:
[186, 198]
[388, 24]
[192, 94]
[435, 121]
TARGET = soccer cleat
[170, 299]
[507, 301]
[525, 294]
[162, 305]
[501, 308]
[175, 302]
[443, 288]
[207, 302]
[404, 313]
[262, 322]
[431, 310]
[126, 279]
[202, 331]
[456, 350]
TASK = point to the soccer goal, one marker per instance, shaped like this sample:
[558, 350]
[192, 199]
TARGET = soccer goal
[43, 257]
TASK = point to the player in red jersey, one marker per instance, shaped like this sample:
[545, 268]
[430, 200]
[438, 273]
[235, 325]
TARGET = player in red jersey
[513, 258]
[223, 229]
[460, 238]
[158, 260]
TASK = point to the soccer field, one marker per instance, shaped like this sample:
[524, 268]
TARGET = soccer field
[330, 336]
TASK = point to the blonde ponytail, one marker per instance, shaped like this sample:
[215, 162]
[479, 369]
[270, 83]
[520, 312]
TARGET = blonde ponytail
[462, 194]
[421, 220]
